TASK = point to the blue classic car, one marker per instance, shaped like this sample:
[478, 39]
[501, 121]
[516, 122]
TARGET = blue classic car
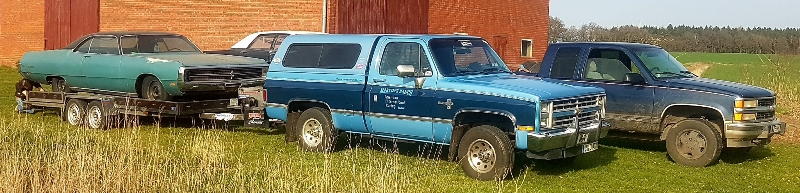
[151, 65]
[651, 95]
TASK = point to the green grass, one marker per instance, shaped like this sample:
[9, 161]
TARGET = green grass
[40, 153]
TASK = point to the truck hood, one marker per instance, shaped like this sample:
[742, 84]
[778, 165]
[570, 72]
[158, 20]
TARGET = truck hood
[718, 86]
[514, 85]
[200, 59]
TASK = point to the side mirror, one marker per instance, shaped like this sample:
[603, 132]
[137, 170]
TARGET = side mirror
[405, 70]
[634, 78]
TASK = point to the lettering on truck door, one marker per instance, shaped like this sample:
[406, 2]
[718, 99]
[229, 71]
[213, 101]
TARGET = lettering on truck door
[396, 107]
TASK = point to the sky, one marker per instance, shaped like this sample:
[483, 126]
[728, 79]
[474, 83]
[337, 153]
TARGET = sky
[734, 13]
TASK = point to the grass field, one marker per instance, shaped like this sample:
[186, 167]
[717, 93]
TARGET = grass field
[39, 153]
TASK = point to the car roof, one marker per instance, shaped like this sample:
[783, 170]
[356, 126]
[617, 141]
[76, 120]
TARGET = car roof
[125, 33]
[418, 36]
[621, 44]
[289, 32]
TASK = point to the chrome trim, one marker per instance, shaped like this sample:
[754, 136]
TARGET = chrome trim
[648, 86]
[278, 105]
[693, 105]
[408, 117]
[759, 124]
[567, 131]
[506, 114]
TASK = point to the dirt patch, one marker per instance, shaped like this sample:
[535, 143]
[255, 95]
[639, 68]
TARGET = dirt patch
[792, 135]
[698, 68]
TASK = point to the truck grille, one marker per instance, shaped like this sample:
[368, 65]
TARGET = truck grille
[581, 111]
[766, 102]
[765, 116]
[221, 74]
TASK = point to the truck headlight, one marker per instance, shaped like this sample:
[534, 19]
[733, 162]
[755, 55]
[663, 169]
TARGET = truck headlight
[742, 103]
[546, 114]
[744, 116]
[545, 120]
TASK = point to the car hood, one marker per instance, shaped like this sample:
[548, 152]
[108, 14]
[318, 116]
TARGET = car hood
[719, 86]
[518, 86]
[200, 59]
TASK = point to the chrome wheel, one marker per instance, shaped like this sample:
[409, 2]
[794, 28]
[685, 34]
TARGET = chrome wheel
[312, 132]
[691, 144]
[74, 114]
[481, 155]
[94, 117]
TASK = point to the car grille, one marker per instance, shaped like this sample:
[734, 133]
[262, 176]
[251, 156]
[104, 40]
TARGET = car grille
[584, 110]
[766, 102]
[222, 74]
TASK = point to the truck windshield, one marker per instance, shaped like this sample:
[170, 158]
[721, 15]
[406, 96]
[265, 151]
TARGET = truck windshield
[156, 44]
[661, 64]
[456, 57]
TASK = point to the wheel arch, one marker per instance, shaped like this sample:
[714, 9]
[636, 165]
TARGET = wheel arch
[138, 84]
[466, 119]
[677, 112]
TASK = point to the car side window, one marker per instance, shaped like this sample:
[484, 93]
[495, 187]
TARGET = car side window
[404, 53]
[84, 47]
[278, 40]
[104, 45]
[262, 42]
[565, 62]
[608, 65]
[327, 56]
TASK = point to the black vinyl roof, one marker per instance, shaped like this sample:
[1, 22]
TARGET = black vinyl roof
[118, 33]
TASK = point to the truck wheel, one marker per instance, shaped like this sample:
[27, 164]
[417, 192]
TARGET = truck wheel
[60, 85]
[153, 89]
[486, 153]
[694, 142]
[96, 116]
[74, 112]
[315, 130]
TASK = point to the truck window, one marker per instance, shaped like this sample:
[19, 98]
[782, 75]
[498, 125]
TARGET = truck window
[565, 62]
[608, 65]
[404, 53]
[329, 56]
[104, 45]
[262, 42]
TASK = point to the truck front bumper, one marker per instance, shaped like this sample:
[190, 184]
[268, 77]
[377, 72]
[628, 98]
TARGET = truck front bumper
[564, 143]
[752, 134]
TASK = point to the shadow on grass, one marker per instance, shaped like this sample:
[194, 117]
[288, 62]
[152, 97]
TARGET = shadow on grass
[598, 158]
[757, 153]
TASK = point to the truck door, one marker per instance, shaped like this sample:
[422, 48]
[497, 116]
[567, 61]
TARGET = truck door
[629, 105]
[396, 108]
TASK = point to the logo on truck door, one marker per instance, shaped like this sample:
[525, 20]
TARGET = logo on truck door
[448, 103]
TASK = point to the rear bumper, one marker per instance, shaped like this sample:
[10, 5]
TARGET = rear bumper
[752, 134]
[562, 144]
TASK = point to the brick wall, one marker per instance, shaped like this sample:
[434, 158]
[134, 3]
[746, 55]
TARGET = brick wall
[211, 24]
[513, 19]
[21, 29]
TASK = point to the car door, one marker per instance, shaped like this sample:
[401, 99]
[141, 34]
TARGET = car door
[629, 105]
[71, 70]
[101, 65]
[396, 107]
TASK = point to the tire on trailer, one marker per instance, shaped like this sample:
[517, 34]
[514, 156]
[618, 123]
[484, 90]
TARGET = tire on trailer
[694, 142]
[315, 130]
[60, 85]
[153, 89]
[98, 117]
[74, 112]
[486, 153]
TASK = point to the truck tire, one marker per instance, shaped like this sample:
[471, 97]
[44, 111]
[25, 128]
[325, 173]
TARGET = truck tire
[97, 117]
[315, 129]
[694, 142]
[60, 85]
[74, 112]
[153, 89]
[486, 153]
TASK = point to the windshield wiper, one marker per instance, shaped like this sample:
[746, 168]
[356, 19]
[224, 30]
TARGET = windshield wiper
[493, 70]
[685, 75]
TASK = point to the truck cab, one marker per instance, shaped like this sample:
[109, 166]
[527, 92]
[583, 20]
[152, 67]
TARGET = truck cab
[653, 96]
[442, 89]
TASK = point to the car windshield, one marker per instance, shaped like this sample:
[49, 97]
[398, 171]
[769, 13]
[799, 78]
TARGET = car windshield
[661, 64]
[156, 44]
[456, 57]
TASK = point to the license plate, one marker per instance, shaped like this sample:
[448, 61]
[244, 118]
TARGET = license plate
[583, 137]
[589, 147]
[234, 102]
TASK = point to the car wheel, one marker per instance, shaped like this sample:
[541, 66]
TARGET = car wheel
[486, 153]
[315, 130]
[60, 85]
[694, 142]
[153, 89]
[97, 117]
[74, 112]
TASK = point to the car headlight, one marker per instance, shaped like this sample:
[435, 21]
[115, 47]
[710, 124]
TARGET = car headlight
[744, 116]
[742, 103]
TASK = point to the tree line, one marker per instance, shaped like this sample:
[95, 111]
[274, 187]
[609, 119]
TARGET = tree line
[682, 38]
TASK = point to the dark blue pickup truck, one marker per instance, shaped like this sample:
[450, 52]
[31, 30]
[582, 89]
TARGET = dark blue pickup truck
[651, 95]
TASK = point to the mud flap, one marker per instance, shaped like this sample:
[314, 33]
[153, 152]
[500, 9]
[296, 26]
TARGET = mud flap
[291, 121]
[255, 117]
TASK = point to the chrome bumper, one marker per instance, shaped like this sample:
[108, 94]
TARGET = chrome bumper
[752, 134]
[565, 143]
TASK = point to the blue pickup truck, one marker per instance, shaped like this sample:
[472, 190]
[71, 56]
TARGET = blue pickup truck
[441, 89]
[653, 96]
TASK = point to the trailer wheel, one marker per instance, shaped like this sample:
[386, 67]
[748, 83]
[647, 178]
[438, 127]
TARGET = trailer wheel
[486, 153]
[315, 130]
[153, 89]
[74, 112]
[96, 116]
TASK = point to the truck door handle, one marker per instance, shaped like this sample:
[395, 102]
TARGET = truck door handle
[378, 80]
